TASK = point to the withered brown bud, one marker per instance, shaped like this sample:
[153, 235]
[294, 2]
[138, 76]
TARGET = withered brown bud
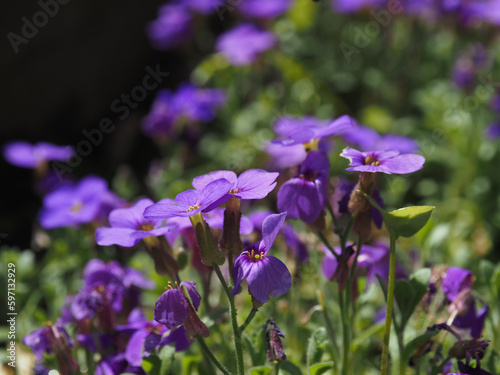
[274, 346]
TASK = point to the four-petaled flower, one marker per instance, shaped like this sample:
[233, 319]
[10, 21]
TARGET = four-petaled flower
[25, 155]
[266, 275]
[389, 162]
[191, 202]
[129, 227]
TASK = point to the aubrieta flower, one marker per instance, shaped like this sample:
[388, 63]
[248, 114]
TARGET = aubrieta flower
[264, 8]
[493, 131]
[129, 227]
[173, 309]
[242, 45]
[367, 139]
[190, 202]
[311, 131]
[266, 275]
[72, 205]
[251, 184]
[171, 28]
[351, 6]
[457, 287]
[389, 162]
[304, 196]
[190, 103]
[26, 155]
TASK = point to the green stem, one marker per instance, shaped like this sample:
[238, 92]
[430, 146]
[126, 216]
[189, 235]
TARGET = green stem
[277, 364]
[211, 356]
[327, 244]
[331, 331]
[390, 300]
[248, 320]
[234, 323]
[346, 339]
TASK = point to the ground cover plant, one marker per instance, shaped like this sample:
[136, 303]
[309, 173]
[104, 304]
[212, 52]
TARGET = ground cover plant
[326, 202]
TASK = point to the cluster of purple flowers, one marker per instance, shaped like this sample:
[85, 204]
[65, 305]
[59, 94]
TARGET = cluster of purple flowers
[467, 12]
[105, 318]
[189, 105]
[175, 22]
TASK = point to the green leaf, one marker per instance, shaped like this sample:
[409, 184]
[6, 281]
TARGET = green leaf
[316, 346]
[408, 294]
[404, 222]
[152, 365]
[320, 368]
[260, 370]
[415, 343]
[383, 285]
[290, 368]
[496, 281]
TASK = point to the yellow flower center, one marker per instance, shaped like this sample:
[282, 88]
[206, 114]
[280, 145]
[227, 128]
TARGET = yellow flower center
[311, 145]
[234, 191]
[369, 160]
[146, 226]
[192, 208]
[76, 207]
[256, 256]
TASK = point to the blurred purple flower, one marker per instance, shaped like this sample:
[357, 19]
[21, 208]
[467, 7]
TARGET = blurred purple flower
[309, 129]
[189, 103]
[71, 205]
[266, 275]
[171, 28]
[367, 139]
[215, 219]
[350, 6]
[265, 8]
[190, 202]
[26, 155]
[389, 162]
[468, 64]
[492, 131]
[243, 44]
[129, 227]
[304, 196]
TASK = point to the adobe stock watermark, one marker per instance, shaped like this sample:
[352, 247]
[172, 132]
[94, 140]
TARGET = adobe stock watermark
[363, 37]
[30, 28]
[456, 116]
[122, 107]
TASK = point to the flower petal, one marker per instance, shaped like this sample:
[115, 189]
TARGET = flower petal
[125, 237]
[171, 309]
[402, 164]
[255, 184]
[241, 268]
[268, 277]
[200, 182]
[300, 198]
[131, 217]
[270, 229]
[133, 352]
[193, 293]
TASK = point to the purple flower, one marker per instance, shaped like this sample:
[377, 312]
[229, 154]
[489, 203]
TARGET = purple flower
[190, 202]
[189, 103]
[266, 275]
[202, 6]
[304, 196]
[455, 281]
[129, 227]
[172, 308]
[374, 259]
[171, 28]
[350, 6]
[52, 339]
[468, 64]
[242, 45]
[493, 131]
[71, 205]
[367, 139]
[25, 155]
[284, 157]
[251, 184]
[311, 130]
[264, 8]
[389, 162]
